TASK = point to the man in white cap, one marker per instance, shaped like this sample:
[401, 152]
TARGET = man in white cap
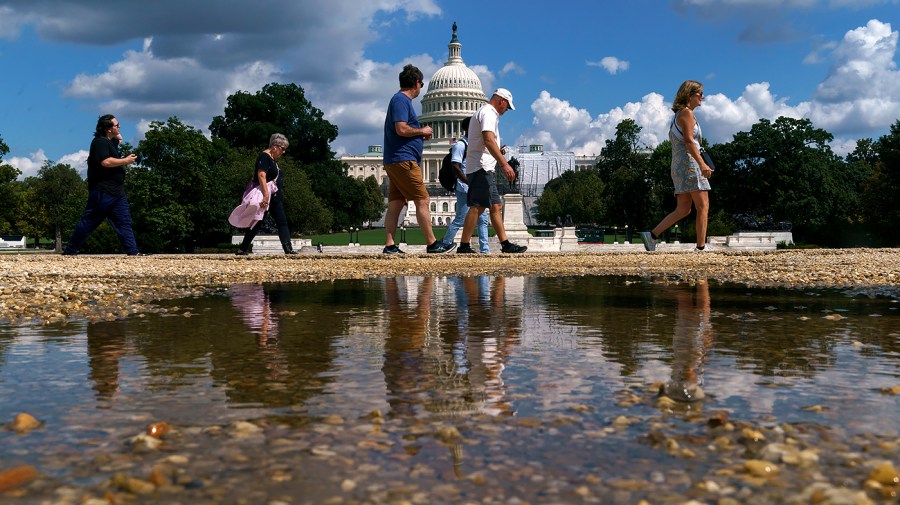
[482, 159]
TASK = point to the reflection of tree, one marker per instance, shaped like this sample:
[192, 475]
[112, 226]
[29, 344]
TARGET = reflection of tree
[693, 336]
[105, 347]
[249, 369]
[632, 317]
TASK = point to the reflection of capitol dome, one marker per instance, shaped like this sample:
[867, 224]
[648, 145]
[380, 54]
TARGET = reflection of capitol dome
[454, 93]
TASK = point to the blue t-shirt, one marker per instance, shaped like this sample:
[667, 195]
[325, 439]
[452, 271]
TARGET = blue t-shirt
[458, 155]
[397, 148]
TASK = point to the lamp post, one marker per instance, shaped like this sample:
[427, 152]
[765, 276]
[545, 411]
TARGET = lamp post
[676, 234]
[627, 238]
[351, 236]
[402, 234]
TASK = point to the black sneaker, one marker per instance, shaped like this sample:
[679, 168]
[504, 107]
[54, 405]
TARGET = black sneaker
[392, 249]
[439, 247]
[241, 252]
[511, 248]
[465, 249]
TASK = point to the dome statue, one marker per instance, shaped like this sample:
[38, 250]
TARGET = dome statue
[454, 93]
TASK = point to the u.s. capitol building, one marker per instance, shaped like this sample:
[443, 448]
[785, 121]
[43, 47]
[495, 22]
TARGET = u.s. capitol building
[455, 93]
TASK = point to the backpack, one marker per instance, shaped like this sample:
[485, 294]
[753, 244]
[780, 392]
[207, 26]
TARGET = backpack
[447, 174]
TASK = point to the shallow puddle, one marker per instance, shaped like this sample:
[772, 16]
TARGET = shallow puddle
[462, 390]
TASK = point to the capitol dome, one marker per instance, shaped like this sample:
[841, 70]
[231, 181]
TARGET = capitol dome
[454, 93]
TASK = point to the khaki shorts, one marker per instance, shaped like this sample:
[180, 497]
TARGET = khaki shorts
[406, 182]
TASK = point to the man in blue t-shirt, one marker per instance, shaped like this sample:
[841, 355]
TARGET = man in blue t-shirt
[404, 139]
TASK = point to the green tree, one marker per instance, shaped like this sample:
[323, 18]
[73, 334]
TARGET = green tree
[786, 170]
[59, 194]
[250, 119]
[305, 211]
[625, 170]
[11, 190]
[575, 194]
[179, 199]
[880, 207]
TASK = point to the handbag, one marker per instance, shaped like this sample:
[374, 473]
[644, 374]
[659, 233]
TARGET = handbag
[707, 159]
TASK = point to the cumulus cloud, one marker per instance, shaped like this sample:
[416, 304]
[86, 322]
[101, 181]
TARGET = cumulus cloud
[612, 64]
[512, 67]
[30, 165]
[859, 96]
[189, 64]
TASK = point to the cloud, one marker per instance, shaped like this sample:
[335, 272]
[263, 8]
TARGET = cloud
[767, 21]
[560, 126]
[189, 64]
[858, 97]
[612, 64]
[512, 67]
[28, 166]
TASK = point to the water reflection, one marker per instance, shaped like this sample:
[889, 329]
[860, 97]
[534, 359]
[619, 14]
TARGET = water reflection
[693, 336]
[533, 372]
[449, 364]
[105, 348]
[252, 303]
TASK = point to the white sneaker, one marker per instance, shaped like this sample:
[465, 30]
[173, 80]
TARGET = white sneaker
[707, 247]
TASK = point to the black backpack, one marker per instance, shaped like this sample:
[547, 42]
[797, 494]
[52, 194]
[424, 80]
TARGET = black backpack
[447, 175]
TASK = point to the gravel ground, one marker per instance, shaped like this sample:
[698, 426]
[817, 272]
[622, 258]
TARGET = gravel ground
[48, 288]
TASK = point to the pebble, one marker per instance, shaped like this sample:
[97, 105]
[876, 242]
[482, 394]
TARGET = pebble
[16, 477]
[885, 474]
[50, 287]
[24, 423]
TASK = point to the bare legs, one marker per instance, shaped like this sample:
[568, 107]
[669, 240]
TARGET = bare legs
[423, 217]
[700, 201]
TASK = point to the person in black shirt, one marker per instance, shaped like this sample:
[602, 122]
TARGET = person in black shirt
[106, 190]
[267, 171]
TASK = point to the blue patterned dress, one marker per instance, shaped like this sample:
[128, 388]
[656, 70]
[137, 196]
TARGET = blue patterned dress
[685, 170]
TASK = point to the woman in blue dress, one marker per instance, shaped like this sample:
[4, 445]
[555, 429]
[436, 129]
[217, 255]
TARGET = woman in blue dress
[690, 173]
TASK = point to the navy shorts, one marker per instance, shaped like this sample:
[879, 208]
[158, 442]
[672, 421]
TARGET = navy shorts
[483, 189]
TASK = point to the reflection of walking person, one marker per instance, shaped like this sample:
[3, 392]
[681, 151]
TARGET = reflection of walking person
[689, 172]
[693, 336]
[267, 170]
[106, 190]
[253, 305]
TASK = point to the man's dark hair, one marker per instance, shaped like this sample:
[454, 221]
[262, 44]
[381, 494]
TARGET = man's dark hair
[465, 124]
[104, 122]
[410, 76]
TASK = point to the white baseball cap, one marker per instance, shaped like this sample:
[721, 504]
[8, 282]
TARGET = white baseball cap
[506, 95]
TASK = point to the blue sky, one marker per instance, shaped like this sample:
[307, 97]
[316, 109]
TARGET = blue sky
[575, 70]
